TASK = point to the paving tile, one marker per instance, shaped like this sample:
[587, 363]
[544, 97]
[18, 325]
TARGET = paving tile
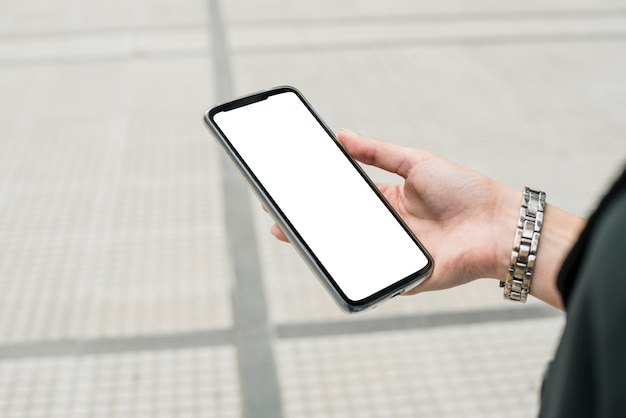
[111, 212]
[112, 204]
[183, 383]
[467, 371]
[71, 15]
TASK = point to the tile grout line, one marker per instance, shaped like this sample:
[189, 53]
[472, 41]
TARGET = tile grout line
[437, 17]
[282, 331]
[416, 321]
[589, 14]
[112, 345]
[411, 42]
[441, 41]
[260, 389]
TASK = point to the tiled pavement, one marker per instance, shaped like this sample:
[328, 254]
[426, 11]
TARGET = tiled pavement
[137, 276]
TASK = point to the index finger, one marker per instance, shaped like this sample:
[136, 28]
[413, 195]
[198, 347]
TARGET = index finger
[387, 156]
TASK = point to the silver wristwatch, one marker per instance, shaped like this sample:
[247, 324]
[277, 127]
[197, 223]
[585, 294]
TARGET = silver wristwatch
[520, 273]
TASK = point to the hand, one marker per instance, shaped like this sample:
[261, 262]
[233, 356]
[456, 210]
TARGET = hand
[463, 218]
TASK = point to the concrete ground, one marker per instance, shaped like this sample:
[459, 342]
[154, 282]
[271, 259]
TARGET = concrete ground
[137, 274]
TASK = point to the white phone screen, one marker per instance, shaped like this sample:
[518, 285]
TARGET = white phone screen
[334, 210]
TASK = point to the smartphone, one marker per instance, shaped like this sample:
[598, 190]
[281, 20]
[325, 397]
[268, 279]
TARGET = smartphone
[332, 213]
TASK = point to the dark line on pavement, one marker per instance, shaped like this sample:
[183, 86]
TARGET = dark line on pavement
[419, 321]
[285, 331]
[101, 59]
[111, 345]
[431, 18]
[260, 390]
[439, 41]
[589, 14]
[111, 30]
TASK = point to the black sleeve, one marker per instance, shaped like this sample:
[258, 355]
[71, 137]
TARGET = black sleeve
[588, 375]
[572, 264]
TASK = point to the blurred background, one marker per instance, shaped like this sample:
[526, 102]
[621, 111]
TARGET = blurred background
[137, 274]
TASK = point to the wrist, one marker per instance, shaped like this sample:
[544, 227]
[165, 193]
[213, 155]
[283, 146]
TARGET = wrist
[559, 232]
[505, 217]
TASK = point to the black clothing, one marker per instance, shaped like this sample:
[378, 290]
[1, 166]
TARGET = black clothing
[588, 375]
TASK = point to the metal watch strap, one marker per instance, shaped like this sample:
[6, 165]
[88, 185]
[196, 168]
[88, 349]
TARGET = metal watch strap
[520, 273]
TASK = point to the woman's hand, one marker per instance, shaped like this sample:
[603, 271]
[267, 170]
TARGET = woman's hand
[459, 215]
[464, 219]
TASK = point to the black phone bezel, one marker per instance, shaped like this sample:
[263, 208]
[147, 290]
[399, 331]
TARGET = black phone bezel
[292, 232]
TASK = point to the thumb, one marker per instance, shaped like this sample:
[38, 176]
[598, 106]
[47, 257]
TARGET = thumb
[387, 156]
